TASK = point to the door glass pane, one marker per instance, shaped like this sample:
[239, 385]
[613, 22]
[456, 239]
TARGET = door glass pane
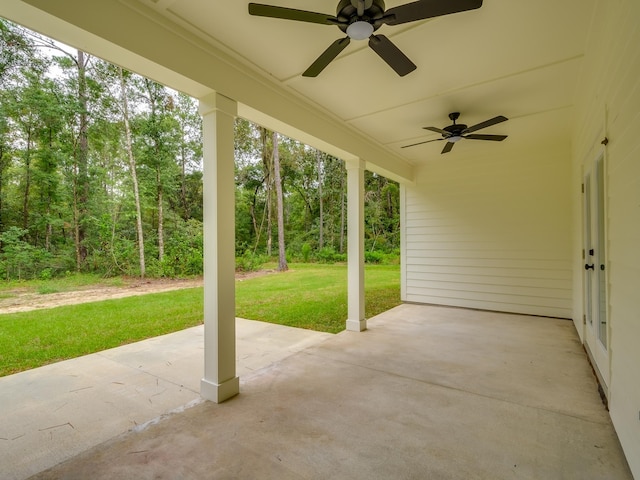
[601, 264]
[587, 258]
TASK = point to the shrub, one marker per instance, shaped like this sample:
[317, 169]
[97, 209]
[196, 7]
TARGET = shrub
[250, 262]
[305, 251]
[374, 257]
[19, 259]
[46, 274]
[329, 255]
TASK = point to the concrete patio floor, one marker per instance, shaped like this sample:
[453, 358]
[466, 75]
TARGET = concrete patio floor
[52, 413]
[426, 392]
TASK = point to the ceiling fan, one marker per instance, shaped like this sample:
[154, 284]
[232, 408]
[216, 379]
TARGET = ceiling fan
[456, 132]
[360, 18]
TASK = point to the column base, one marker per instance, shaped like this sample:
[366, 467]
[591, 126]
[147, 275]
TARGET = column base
[219, 392]
[356, 325]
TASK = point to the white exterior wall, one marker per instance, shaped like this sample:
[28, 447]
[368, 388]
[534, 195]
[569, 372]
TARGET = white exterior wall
[608, 102]
[492, 231]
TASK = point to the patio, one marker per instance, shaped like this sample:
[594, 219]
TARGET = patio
[426, 392]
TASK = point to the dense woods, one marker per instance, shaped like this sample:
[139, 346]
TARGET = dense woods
[101, 171]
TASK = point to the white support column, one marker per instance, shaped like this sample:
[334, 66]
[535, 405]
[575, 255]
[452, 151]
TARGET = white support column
[220, 381]
[355, 239]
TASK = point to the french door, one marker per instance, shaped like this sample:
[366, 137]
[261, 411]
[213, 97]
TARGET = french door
[595, 270]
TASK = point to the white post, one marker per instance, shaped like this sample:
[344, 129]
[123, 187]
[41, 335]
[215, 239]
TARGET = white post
[355, 252]
[220, 381]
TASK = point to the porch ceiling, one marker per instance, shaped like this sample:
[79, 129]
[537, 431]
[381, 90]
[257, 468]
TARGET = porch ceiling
[518, 59]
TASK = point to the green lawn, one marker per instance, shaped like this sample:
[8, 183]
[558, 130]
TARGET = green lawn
[39, 337]
[315, 296]
[308, 296]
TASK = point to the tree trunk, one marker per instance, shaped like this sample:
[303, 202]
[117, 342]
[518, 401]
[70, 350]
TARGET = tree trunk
[183, 181]
[159, 189]
[2, 176]
[82, 155]
[269, 224]
[320, 200]
[132, 167]
[342, 212]
[282, 258]
[27, 182]
[160, 217]
[267, 167]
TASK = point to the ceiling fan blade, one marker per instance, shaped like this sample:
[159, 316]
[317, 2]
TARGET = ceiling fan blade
[327, 56]
[493, 138]
[420, 143]
[438, 130]
[391, 54]
[447, 148]
[422, 9]
[273, 11]
[485, 124]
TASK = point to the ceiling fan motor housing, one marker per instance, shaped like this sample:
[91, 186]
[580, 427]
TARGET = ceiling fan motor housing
[456, 129]
[347, 12]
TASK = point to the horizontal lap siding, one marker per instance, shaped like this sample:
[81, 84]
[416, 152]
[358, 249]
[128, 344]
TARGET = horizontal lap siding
[610, 95]
[491, 233]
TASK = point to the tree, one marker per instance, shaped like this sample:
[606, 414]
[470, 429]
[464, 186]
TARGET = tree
[81, 191]
[132, 169]
[320, 201]
[282, 258]
[101, 170]
[160, 147]
[185, 112]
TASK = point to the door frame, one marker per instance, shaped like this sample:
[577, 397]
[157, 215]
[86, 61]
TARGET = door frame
[597, 327]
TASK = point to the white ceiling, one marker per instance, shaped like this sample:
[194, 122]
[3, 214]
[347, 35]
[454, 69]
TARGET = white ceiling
[516, 58]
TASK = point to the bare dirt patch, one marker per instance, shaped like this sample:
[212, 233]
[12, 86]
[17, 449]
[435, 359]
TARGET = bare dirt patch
[23, 301]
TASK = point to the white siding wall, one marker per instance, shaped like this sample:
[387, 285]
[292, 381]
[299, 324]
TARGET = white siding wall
[492, 231]
[610, 96]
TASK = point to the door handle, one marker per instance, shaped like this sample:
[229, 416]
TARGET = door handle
[589, 267]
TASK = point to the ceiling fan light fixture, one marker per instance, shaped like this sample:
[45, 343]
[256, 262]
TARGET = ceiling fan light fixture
[454, 138]
[360, 30]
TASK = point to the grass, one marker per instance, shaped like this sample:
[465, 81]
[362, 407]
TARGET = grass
[308, 296]
[39, 337]
[314, 296]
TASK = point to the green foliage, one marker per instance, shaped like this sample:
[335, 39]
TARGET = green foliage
[377, 257]
[66, 180]
[373, 257]
[183, 252]
[250, 262]
[305, 251]
[46, 274]
[329, 255]
[19, 259]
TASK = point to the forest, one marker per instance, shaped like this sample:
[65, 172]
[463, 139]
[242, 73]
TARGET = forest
[101, 171]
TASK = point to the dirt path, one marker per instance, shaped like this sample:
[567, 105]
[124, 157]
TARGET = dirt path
[23, 301]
